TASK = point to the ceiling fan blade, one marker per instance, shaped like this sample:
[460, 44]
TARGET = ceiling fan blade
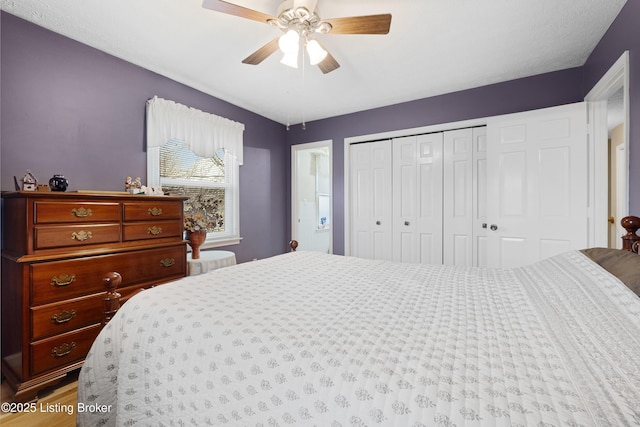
[236, 10]
[328, 64]
[261, 54]
[369, 24]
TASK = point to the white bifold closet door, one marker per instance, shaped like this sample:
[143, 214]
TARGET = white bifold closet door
[417, 199]
[420, 198]
[464, 201]
[371, 212]
[439, 198]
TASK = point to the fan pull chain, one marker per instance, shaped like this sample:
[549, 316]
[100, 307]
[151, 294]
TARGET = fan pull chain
[288, 118]
[304, 125]
[288, 93]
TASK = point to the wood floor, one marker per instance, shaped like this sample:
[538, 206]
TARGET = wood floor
[51, 407]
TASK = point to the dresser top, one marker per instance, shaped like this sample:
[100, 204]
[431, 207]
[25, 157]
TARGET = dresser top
[85, 195]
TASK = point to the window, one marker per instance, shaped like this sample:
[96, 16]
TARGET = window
[203, 180]
[188, 154]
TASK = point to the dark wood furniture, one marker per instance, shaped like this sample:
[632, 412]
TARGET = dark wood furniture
[631, 240]
[56, 248]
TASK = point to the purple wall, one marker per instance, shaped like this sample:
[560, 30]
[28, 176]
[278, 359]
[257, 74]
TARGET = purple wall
[562, 87]
[624, 34]
[68, 108]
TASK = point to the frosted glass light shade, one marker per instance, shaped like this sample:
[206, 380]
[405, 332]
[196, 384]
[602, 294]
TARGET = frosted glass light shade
[289, 42]
[290, 59]
[316, 52]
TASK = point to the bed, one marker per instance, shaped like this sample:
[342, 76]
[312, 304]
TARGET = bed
[309, 339]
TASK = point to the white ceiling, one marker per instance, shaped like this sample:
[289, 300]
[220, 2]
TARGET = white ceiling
[433, 47]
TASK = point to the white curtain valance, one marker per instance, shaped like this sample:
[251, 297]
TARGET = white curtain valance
[204, 133]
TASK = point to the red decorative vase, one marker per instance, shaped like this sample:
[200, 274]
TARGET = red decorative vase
[196, 238]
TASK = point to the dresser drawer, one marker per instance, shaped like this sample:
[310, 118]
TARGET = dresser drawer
[155, 210]
[154, 265]
[75, 212]
[48, 237]
[63, 317]
[59, 280]
[62, 349]
[152, 230]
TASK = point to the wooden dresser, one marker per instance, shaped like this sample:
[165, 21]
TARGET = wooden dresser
[56, 250]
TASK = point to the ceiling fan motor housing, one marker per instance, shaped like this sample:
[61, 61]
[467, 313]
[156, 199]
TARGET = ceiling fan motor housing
[300, 15]
[309, 5]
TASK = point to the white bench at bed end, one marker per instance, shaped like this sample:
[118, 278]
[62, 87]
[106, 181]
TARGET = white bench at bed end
[631, 240]
[112, 298]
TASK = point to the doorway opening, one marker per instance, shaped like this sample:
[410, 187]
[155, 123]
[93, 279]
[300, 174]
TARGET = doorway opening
[311, 196]
[609, 117]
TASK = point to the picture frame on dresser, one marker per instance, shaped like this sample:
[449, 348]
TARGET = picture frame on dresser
[54, 252]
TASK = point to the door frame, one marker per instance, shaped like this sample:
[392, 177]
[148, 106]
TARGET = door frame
[614, 79]
[294, 188]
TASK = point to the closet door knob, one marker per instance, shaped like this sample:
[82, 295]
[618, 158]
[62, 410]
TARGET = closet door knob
[484, 225]
[406, 223]
[493, 227]
[377, 222]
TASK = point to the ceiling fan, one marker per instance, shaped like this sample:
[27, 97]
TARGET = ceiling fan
[299, 20]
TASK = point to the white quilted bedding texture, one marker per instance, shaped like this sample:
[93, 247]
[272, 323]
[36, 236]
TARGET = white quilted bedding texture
[307, 339]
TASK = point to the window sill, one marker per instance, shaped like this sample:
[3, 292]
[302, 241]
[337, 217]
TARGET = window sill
[226, 241]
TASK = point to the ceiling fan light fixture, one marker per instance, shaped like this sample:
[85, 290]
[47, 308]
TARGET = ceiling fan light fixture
[299, 19]
[290, 59]
[289, 43]
[316, 52]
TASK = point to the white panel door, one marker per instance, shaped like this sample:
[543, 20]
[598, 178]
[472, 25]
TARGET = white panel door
[370, 182]
[537, 185]
[417, 199]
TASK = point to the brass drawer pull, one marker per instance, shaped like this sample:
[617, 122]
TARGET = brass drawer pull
[154, 231]
[81, 212]
[81, 235]
[63, 317]
[63, 280]
[154, 211]
[63, 350]
[167, 262]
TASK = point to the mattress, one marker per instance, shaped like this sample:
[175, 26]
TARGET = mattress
[308, 339]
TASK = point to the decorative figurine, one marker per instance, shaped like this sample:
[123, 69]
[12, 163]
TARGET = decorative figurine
[133, 186]
[29, 181]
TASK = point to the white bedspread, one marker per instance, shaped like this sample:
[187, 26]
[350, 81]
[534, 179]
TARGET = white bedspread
[306, 339]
